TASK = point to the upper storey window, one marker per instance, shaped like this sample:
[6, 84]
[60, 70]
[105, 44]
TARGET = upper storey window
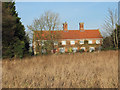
[72, 42]
[63, 42]
[81, 41]
[90, 42]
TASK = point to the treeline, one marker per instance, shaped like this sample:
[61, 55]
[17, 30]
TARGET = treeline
[112, 42]
[111, 31]
[15, 42]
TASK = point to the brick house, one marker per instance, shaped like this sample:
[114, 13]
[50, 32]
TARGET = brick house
[76, 40]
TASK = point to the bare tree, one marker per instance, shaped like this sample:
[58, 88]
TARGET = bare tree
[110, 25]
[47, 22]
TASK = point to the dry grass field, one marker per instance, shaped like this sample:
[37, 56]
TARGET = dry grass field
[86, 70]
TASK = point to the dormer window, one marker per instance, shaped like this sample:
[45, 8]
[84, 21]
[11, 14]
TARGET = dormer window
[63, 42]
[72, 42]
[81, 42]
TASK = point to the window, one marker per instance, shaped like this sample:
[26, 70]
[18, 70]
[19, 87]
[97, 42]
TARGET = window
[63, 42]
[74, 49]
[72, 42]
[62, 50]
[91, 49]
[90, 42]
[81, 41]
[83, 48]
[55, 43]
[97, 41]
[42, 43]
[43, 51]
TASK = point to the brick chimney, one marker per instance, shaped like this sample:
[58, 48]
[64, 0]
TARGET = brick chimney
[65, 26]
[81, 26]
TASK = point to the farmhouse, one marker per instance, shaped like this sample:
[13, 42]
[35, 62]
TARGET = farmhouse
[68, 40]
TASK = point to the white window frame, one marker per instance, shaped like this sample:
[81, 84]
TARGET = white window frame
[63, 42]
[42, 43]
[90, 42]
[83, 48]
[72, 42]
[74, 49]
[56, 43]
[63, 48]
[82, 42]
[97, 41]
[93, 48]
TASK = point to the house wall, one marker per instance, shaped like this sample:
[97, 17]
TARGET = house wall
[77, 44]
[68, 44]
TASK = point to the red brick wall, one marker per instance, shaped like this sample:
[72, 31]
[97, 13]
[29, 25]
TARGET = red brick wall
[78, 45]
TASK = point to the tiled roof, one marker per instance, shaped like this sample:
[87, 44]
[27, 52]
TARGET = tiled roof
[76, 34]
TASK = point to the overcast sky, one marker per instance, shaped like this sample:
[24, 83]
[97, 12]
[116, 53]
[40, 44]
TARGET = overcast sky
[91, 13]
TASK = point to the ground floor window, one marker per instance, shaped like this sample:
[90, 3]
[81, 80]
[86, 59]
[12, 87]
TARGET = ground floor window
[43, 51]
[83, 48]
[97, 41]
[62, 50]
[91, 49]
[55, 43]
[74, 49]
[42, 43]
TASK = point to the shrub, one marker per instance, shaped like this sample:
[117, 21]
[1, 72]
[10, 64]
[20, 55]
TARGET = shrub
[19, 48]
[109, 48]
[87, 50]
[70, 50]
[81, 50]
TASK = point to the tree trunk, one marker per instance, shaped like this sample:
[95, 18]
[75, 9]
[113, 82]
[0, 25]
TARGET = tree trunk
[116, 37]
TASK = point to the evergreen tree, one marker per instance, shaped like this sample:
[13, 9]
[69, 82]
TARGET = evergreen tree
[14, 40]
[108, 43]
[118, 29]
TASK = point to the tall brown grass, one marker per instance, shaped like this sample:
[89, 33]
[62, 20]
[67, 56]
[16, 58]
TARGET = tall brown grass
[86, 70]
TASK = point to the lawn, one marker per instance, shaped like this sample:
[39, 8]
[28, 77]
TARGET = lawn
[86, 70]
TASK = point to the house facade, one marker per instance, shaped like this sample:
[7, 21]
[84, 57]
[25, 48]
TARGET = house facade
[73, 40]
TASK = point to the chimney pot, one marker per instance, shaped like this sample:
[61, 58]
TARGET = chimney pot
[65, 26]
[81, 26]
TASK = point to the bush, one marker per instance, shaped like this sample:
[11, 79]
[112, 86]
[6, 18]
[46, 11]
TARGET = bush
[70, 50]
[81, 50]
[19, 48]
[110, 48]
